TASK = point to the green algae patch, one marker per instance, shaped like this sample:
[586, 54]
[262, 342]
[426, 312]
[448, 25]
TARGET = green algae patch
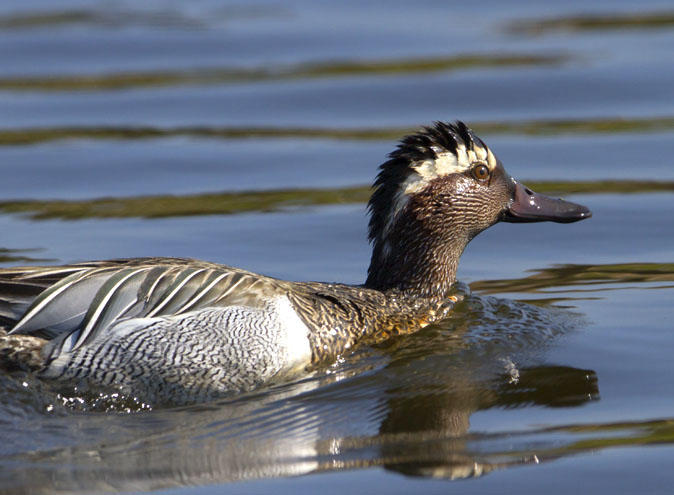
[230, 203]
[225, 203]
[597, 22]
[589, 276]
[22, 137]
[625, 434]
[20, 256]
[602, 186]
[63, 18]
[533, 128]
[214, 76]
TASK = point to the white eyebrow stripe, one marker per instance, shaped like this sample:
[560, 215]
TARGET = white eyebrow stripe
[472, 157]
[445, 163]
[462, 156]
[491, 159]
[481, 153]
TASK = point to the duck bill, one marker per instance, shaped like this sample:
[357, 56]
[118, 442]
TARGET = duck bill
[528, 206]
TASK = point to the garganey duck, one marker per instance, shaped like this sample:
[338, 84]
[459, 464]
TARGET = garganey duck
[181, 330]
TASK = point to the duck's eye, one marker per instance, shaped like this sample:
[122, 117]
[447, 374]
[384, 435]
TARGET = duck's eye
[480, 172]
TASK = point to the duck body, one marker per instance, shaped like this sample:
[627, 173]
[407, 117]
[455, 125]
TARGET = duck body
[180, 330]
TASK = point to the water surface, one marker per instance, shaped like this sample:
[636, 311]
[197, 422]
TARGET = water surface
[248, 134]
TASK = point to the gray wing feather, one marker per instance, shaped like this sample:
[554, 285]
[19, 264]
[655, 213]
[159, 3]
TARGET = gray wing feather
[63, 301]
[92, 298]
[204, 296]
[113, 299]
[182, 288]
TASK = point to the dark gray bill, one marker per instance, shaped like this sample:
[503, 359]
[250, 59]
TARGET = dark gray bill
[528, 206]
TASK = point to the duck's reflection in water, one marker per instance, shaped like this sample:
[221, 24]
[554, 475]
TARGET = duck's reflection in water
[405, 406]
[431, 431]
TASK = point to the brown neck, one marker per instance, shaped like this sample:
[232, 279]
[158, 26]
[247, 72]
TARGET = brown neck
[416, 260]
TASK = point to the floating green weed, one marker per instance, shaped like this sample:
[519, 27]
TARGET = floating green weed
[228, 203]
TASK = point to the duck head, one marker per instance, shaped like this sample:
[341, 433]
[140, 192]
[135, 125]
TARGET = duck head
[440, 188]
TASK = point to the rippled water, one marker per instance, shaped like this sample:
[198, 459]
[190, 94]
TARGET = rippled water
[247, 133]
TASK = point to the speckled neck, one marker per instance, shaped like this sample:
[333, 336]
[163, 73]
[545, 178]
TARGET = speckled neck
[416, 262]
[425, 208]
[419, 253]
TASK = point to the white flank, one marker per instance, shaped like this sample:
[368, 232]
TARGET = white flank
[296, 338]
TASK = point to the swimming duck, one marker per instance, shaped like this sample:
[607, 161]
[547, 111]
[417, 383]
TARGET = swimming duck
[182, 330]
